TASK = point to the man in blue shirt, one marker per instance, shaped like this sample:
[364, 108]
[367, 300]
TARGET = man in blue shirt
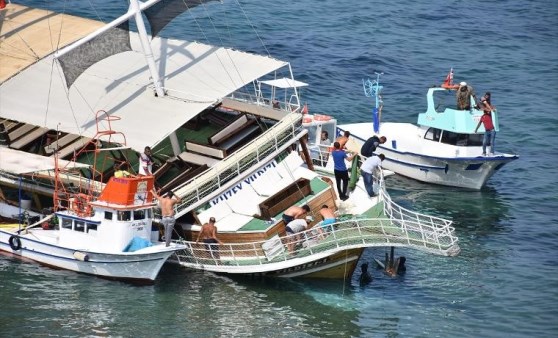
[340, 169]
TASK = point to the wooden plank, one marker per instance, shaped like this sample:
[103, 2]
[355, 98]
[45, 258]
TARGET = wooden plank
[226, 132]
[30, 137]
[75, 146]
[62, 142]
[197, 159]
[29, 34]
[274, 114]
[205, 149]
[20, 132]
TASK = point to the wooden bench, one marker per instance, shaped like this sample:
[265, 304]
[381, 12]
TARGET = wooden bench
[216, 119]
[20, 131]
[234, 126]
[62, 142]
[285, 198]
[28, 138]
[197, 159]
[237, 138]
[75, 146]
[205, 149]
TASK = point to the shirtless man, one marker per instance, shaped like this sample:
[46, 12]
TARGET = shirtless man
[343, 139]
[295, 212]
[329, 218]
[166, 203]
[208, 234]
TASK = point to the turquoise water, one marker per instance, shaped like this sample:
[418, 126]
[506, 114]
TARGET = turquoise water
[505, 281]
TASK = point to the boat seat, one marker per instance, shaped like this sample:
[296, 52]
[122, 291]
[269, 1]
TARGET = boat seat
[75, 146]
[234, 140]
[233, 127]
[62, 142]
[30, 137]
[267, 183]
[20, 132]
[197, 159]
[205, 149]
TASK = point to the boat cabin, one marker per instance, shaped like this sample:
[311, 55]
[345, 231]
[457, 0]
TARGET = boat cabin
[441, 114]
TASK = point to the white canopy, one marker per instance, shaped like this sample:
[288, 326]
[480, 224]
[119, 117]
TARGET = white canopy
[285, 83]
[19, 162]
[193, 74]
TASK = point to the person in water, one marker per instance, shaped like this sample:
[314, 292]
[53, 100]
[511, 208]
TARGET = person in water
[365, 276]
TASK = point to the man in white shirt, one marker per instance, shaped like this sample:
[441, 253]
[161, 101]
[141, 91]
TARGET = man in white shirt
[367, 171]
[145, 162]
[293, 228]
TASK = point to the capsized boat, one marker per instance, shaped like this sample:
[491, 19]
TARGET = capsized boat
[106, 234]
[442, 148]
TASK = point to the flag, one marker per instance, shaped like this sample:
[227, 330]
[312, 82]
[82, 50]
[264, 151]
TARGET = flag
[305, 108]
[449, 78]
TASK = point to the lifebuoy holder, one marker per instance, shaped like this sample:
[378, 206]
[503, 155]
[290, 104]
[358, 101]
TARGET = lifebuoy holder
[15, 243]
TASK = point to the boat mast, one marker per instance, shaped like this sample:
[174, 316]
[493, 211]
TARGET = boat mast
[146, 46]
[134, 10]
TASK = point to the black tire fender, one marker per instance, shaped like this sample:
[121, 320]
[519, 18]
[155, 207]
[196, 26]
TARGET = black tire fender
[15, 243]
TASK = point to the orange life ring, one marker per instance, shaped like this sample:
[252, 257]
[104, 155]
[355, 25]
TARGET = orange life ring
[81, 205]
[318, 117]
[447, 86]
[306, 119]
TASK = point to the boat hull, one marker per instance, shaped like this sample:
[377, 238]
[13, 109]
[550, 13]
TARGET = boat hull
[138, 268]
[409, 154]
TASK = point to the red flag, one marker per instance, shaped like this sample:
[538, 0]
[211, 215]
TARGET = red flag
[305, 108]
[449, 78]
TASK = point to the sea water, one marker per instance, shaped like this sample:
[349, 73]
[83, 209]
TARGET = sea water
[504, 283]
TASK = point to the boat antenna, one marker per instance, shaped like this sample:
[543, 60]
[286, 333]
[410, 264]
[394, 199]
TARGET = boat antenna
[373, 89]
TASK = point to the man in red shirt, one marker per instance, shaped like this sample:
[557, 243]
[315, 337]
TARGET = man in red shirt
[489, 132]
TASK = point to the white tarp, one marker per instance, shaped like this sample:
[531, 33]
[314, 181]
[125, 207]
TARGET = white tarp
[19, 162]
[197, 75]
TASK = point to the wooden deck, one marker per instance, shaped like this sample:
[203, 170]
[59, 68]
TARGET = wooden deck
[29, 34]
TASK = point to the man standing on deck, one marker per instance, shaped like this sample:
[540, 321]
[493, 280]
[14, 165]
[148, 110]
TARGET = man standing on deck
[367, 170]
[145, 162]
[166, 203]
[340, 169]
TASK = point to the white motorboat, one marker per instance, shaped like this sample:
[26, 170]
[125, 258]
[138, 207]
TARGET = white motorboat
[443, 148]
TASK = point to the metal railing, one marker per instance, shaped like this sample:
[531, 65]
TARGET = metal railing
[259, 151]
[320, 242]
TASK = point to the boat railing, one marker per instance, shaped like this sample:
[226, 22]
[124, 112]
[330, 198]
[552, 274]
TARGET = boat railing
[291, 106]
[321, 242]
[430, 226]
[199, 188]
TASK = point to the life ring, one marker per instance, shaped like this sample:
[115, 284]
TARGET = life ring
[318, 117]
[15, 243]
[448, 86]
[306, 119]
[81, 205]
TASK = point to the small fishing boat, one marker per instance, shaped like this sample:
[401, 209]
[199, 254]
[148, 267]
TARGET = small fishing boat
[103, 230]
[443, 148]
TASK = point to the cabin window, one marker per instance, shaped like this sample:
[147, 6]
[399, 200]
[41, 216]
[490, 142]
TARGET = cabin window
[79, 226]
[66, 223]
[124, 215]
[149, 214]
[433, 134]
[91, 227]
[108, 215]
[449, 137]
[139, 214]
